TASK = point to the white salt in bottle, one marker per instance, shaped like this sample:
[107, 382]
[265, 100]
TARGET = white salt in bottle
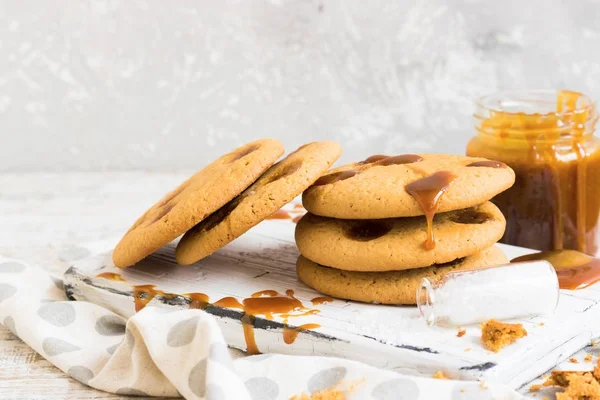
[505, 292]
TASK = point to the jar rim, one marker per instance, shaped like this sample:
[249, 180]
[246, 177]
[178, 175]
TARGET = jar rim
[493, 101]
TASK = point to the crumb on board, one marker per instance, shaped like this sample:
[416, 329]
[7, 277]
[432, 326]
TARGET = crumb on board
[542, 324]
[461, 332]
[467, 349]
[440, 375]
[332, 393]
[594, 344]
[483, 385]
[535, 388]
[573, 360]
[495, 334]
[588, 358]
[577, 385]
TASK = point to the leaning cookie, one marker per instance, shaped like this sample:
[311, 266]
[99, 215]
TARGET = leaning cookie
[377, 187]
[392, 287]
[275, 188]
[195, 199]
[397, 244]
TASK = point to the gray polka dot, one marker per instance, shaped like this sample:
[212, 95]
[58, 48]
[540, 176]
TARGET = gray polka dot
[54, 346]
[131, 392]
[262, 388]
[74, 253]
[110, 325]
[6, 291]
[9, 323]
[182, 333]
[197, 379]
[470, 391]
[58, 283]
[11, 267]
[111, 350]
[326, 378]
[396, 389]
[214, 392]
[130, 340]
[258, 358]
[220, 353]
[82, 374]
[57, 313]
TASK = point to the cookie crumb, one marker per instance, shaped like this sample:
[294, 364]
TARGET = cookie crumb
[495, 334]
[578, 385]
[333, 393]
[542, 324]
[461, 332]
[573, 360]
[467, 349]
[535, 388]
[440, 375]
[483, 385]
[588, 358]
[593, 344]
[463, 390]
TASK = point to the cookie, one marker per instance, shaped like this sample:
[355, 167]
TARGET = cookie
[397, 244]
[392, 287]
[195, 199]
[278, 186]
[378, 187]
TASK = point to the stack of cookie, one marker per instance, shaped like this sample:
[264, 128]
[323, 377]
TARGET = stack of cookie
[377, 227]
[225, 199]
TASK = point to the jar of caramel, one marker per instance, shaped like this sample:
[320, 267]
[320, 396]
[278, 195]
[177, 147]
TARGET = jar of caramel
[547, 138]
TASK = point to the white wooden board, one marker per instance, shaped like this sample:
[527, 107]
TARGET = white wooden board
[391, 337]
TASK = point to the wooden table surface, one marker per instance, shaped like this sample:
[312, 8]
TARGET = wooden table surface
[43, 214]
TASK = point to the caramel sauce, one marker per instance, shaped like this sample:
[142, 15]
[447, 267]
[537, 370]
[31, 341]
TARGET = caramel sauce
[335, 177]
[248, 326]
[427, 192]
[399, 160]
[488, 164]
[575, 270]
[470, 216]
[290, 333]
[229, 302]
[111, 276]
[367, 230]
[555, 201]
[198, 300]
[279, 214]
[321, 300]
[143, 294]
[373, 159]
[269, 293]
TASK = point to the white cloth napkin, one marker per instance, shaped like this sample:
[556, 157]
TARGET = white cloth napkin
[162, 352]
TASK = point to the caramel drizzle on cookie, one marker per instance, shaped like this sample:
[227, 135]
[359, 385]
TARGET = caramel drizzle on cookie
[427, 192]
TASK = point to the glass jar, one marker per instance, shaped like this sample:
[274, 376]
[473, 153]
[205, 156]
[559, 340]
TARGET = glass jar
[546, 137]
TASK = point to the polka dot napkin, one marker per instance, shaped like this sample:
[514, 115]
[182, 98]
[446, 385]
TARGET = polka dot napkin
[162, 352]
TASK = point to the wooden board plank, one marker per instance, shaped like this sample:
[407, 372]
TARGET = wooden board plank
[395, 338]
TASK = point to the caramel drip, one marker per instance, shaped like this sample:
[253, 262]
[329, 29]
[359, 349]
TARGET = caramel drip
[575, 270]
[321, 300]
[198, 300]
[143, 294]
[290, 333]
[427, 192]
[279, 214]
[111, 276]
[248, 326]
[488, 164]
[229, 302]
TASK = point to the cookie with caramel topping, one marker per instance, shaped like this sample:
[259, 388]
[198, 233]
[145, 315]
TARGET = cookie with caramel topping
[391, 287]
[276, 187]
[397, 243]
[378, 186]
[195, 199]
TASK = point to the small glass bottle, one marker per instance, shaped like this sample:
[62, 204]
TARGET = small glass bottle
[505, 292]
[547, 138]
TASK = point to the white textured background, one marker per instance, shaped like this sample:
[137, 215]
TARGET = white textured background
[165, 85]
